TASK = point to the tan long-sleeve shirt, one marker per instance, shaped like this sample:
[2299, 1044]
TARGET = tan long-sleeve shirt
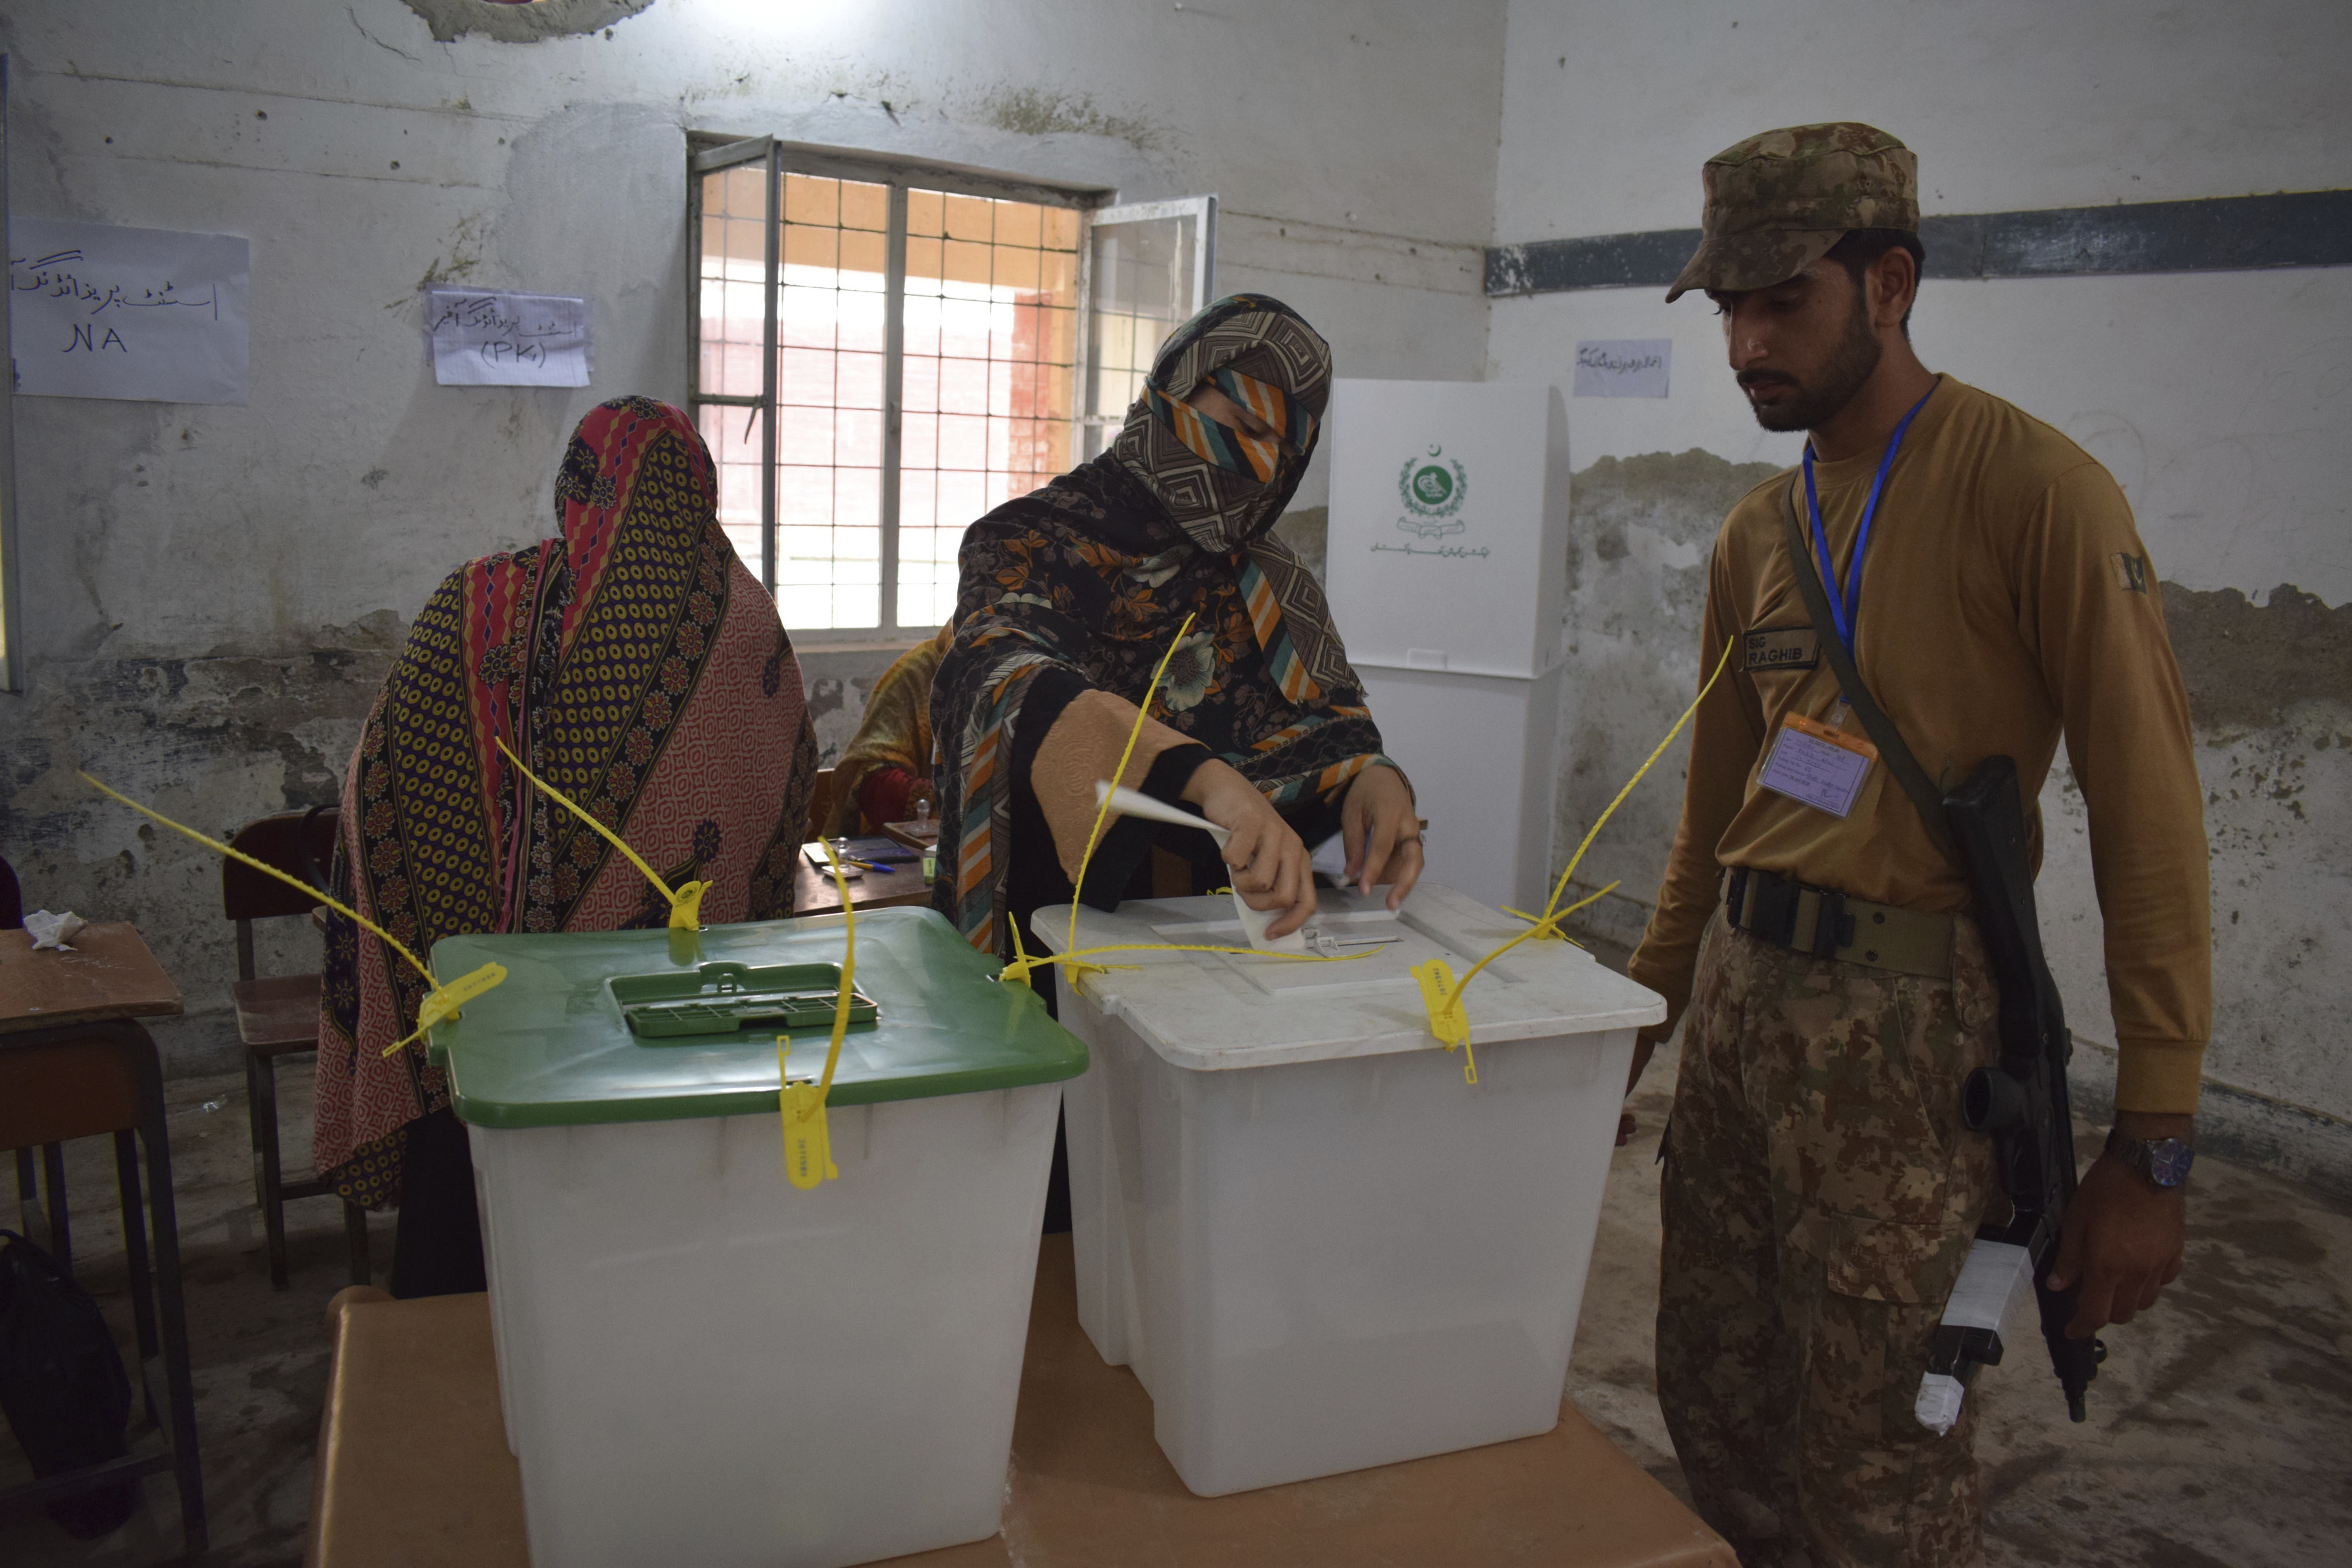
[2006, 599]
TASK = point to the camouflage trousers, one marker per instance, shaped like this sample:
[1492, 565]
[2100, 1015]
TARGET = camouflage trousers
[1820, 1196]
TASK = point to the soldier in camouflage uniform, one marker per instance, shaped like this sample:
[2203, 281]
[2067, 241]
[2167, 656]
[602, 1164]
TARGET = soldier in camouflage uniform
[1821, 1192]
[1843, 1084]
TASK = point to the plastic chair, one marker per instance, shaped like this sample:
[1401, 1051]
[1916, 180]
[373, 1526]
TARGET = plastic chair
[278, 1016]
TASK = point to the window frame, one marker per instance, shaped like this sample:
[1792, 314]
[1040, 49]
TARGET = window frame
[11, 620]
[708, 154]
[1090, 418]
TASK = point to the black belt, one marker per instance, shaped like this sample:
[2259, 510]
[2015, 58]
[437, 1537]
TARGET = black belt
[1826, 923]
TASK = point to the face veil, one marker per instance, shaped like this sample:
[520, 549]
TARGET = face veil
[1222, 486]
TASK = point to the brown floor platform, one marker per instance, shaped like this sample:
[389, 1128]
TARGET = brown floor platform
[413, 1471]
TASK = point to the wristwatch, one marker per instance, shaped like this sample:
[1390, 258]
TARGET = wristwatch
[2165, 1162]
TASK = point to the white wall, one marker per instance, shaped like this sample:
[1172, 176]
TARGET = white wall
[211, 593]
[2220, 400]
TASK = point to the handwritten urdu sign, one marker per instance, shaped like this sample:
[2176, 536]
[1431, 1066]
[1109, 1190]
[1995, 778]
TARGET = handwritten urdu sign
[482, 338]
[1623, 367]
[147, 314]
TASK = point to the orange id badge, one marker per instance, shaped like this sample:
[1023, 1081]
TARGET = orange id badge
[1823, 767]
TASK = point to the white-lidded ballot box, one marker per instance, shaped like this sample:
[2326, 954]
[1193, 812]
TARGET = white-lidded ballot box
[1316, 1245]
[699, 1362]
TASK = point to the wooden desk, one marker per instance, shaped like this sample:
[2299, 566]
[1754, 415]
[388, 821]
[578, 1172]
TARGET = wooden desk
[813, 892]
[110, 974]
[76, 1063]
[414, 1471]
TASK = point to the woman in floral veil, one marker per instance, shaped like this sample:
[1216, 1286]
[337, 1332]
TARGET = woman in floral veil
[1070, 595]
[635, 665]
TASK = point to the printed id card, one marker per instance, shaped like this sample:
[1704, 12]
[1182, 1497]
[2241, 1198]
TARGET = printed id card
[1823, 767]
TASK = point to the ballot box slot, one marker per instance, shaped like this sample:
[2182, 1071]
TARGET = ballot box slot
[734, 999]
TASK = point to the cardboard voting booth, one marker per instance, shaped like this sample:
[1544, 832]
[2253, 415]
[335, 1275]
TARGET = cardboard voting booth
[1448, 575]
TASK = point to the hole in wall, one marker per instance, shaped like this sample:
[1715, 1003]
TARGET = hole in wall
[523, 21]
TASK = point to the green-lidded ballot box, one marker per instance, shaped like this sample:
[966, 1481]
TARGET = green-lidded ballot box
[699, 1361]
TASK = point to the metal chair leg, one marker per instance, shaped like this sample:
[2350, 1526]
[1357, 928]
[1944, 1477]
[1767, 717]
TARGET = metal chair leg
[355, 1231]
[53, 1188]
[134, 1248]
[30, 1222]
[179, 1386]
[261, 1109]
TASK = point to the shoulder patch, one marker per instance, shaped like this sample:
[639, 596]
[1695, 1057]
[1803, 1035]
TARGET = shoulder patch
[1780, 647]
[2130, 571]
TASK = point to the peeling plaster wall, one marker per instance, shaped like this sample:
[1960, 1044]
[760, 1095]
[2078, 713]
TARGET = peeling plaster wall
[2218, 401]
[212, 593]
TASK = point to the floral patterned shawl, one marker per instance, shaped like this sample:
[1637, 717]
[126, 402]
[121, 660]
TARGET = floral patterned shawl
[1095, 574]
[635, 665]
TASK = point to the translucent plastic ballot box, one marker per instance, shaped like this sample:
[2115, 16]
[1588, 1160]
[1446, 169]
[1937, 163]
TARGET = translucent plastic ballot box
[1316, 1245]
[699, 1362]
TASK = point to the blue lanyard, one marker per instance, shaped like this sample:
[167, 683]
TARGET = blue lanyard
[1845, 608]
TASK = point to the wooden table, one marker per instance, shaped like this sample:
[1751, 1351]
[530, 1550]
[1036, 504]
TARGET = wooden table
[813, 892]
[110, 974]
[414, 1471]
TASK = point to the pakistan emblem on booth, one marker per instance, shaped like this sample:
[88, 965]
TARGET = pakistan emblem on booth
[1432, 490]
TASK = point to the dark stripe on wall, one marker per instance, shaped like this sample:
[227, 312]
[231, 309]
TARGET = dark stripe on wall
[2226, 234]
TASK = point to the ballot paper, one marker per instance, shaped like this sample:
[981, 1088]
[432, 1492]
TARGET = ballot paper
[486, 338]
[147, 315]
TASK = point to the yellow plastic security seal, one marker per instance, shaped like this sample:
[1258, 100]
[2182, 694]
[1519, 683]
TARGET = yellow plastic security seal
[808, 1147]
[685, 904]
[1448, 1020]
[441, 1001]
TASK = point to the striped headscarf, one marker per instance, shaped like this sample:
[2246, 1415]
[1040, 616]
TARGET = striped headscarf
[1226, 488]
[1094, 576]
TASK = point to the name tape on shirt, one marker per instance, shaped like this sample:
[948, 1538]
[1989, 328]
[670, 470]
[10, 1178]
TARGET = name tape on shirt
[1781, 647]
[1822, 767]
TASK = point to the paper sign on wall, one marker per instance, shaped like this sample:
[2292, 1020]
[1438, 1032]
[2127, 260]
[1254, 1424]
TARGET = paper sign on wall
[148, 315]
[1623, 367]
[480, 338]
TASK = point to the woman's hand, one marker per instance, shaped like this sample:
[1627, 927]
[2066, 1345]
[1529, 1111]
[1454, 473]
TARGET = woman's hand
[1382, 834]
[1269, 862]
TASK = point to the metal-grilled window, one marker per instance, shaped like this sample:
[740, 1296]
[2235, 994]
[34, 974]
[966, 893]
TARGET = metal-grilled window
[917, 341]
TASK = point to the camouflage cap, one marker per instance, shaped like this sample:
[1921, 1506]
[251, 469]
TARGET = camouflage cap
[1776, 202]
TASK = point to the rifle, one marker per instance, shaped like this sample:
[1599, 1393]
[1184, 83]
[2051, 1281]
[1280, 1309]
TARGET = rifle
[2022, 1104]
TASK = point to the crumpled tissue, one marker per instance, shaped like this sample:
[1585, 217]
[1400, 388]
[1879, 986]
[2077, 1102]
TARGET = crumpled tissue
[55, 931]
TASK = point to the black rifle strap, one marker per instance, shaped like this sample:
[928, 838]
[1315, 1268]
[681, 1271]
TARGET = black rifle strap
[1881, 729]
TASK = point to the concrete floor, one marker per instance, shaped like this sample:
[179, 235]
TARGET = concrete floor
[2220, 1429]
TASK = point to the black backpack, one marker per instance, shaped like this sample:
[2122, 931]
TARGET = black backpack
[62, 1385]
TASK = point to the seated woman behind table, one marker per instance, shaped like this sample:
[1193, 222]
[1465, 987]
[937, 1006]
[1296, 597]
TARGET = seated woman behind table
[887, 768]
[1068, 598]
[639, 610]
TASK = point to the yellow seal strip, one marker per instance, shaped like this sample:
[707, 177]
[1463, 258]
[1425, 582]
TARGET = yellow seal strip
[441, 1001]
[1019, 969]
[808, 1147]
[1118, 774]
[1441, 994]
[685, 905]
